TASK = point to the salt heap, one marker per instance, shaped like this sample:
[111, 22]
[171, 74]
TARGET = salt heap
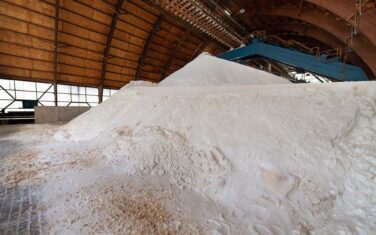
[210, 71]
[210, 150]
[204, 71]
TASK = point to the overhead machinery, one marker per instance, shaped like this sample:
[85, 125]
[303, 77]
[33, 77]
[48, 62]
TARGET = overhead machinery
[321, 63]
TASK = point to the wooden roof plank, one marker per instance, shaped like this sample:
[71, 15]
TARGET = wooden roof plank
[137, 49]
[25, 51]
[24, 40]
[36, 6]
[17, 25]
[23, 13]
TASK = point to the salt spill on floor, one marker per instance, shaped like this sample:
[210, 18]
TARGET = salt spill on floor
[179, 158]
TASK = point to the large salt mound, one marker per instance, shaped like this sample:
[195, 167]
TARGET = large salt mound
[207, 70]
[204, 71]
[271, 159]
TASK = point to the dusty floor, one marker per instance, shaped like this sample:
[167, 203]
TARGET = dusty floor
[20, 209]
[126, 205]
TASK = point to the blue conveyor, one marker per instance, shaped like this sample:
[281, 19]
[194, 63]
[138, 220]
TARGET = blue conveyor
[322, 65]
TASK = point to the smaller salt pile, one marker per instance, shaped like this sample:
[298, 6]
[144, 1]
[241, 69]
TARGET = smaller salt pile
[220, 148]
[209, 71]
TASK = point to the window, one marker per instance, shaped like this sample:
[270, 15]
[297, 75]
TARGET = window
[12, 92]
[107, 93]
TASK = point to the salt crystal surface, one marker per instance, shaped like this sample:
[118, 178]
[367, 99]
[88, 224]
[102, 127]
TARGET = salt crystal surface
[210, 71]
[218, 148]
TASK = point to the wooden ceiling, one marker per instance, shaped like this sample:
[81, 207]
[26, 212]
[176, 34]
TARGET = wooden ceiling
[97, 44]
[107, 43]
[333, 23]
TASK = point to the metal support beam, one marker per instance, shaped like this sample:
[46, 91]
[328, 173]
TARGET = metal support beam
[41, 96]
[278, 68]
[175, 51]
[148, 41]
[318, 78]
[269, 67]
[108, 47]
[56, 42]
[260, 66]
[13, 100]
[2, 88]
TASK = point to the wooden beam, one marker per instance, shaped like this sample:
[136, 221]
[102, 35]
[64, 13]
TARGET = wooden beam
[28, 79]
[148, 41]
[195, 13]
[180, 21]
[56, 45]
[327, 22]
[300, 8]
[108, 47]
[196, 52]
[200, 48]
[175, 51]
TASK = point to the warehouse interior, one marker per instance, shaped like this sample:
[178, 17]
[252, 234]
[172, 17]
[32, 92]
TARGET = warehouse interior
[148, 116]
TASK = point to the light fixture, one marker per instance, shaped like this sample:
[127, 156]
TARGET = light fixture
[228, 12]
[241, 11]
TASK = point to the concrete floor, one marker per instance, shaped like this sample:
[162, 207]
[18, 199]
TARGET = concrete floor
[20, 209]
[20, 212]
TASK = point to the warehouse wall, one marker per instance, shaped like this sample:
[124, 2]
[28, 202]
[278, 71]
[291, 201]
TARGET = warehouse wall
[57, 114]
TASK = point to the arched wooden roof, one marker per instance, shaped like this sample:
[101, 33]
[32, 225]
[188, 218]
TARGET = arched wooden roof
[107, 43]
[99, 42]
[331, 22]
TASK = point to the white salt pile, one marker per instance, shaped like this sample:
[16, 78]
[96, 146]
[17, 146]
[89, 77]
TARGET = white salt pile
[210, 71]
[186, 157]
[204, 71]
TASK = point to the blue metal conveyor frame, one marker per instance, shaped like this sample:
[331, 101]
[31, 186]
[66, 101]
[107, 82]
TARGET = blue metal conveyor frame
[331, 69]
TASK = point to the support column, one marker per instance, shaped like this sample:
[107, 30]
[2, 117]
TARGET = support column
[107, 48]
[148, 41]
[269, 67]
[56, 44]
